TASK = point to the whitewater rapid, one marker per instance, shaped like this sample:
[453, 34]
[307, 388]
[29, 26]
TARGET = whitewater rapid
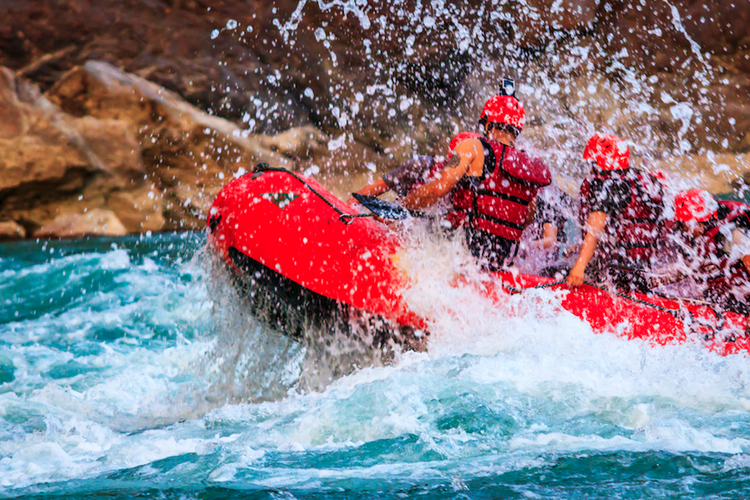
[149, 382]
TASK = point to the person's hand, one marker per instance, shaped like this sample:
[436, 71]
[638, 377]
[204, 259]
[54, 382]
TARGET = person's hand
[388, 222]
[575, 278]
[657, 281]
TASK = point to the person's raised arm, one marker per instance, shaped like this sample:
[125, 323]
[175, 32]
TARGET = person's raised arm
[375, 188]
[549, 235]
[465, 155]
[596, 223]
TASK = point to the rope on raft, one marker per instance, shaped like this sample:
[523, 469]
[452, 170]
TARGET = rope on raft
[343, 217]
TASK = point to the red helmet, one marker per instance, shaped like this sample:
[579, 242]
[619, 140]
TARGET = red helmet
[694, 205]
[504, 109]
[608, 151]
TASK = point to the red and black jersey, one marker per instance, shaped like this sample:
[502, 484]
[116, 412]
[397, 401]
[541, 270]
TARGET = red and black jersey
[712, 246]
[633, 202]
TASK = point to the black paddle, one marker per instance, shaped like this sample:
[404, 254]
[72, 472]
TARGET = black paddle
[381, 208]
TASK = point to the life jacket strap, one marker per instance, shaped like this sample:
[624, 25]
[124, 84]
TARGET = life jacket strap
[495, 220]
[503, 196]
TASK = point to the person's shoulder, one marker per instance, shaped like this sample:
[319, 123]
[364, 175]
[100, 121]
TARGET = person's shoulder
[523, 154]
[461, 137]
[611, 179]
[734, 212]
[723, 210]
[530, 169]
[729, 206]
[468, 145]
[534, 161]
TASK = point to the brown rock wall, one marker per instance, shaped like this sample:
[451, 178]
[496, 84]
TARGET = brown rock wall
[96, 222]
[10, 230]
[103, 140]
[119, 104]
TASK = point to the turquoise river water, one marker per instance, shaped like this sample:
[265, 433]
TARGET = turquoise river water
[129, 369]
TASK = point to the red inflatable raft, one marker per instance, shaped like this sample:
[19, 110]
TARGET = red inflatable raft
[304, 255]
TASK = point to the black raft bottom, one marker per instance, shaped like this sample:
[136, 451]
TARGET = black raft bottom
[295, 310]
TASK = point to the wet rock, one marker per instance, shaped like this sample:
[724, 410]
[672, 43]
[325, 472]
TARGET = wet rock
[138, 210]
[720, 27]
[539, 19]
[51, 159]
[11, 123]
[10, 230]
[40, 160]
[187, 154]
[742, 62]
[97, 222]
[102, 139]
[679, 37]
[302, 142]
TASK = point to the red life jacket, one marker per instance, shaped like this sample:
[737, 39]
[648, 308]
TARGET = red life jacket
[497, 202]
[634, 233]
[721, 274]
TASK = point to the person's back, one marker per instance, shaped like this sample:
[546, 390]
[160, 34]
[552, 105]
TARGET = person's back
[633, 201]
[620, 213]
[495, 206]
[730, 283]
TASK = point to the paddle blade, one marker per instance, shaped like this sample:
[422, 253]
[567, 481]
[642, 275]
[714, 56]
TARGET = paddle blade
[382, 208]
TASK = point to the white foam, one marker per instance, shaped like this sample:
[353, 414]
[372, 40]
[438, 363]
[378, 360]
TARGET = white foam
[521, 373]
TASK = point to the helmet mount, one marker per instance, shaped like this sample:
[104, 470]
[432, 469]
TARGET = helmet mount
[508, 88]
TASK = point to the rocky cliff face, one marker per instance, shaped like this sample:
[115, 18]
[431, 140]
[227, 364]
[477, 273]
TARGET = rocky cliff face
[105, 142]
[142, 109]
